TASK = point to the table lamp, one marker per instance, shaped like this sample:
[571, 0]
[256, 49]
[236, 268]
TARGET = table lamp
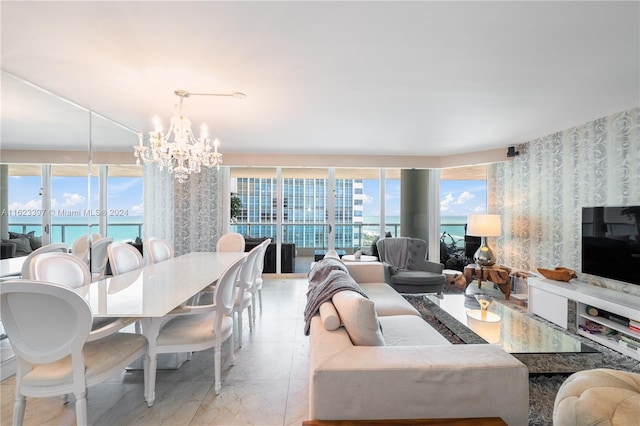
[484, 225]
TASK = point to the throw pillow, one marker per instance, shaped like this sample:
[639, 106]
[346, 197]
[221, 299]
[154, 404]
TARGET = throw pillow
[329, 316]
[14, 235]
[36, 243]
[359, 317]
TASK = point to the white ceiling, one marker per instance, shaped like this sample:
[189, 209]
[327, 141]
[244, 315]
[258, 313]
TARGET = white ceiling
[386, 78]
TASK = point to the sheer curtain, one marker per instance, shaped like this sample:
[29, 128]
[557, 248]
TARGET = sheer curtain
[158, 202]
[190, 214]
[198, 211]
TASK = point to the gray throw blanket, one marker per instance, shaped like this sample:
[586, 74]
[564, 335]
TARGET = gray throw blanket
[396, 252]
[328, 277]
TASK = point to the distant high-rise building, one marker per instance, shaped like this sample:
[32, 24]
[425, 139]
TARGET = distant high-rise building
[305, 212]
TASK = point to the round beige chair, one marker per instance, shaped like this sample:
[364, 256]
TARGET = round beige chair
[598, 397]
[232, 241]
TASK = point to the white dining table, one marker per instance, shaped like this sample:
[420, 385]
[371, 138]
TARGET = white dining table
[152, 292]
[11, 267]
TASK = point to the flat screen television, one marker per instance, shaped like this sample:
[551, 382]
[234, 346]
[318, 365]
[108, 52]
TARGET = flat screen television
[611, 242]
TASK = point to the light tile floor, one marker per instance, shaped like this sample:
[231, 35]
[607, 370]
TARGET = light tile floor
[268, 385]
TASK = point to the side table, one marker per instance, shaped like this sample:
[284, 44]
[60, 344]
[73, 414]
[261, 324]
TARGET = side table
[455, 281]
[495, 274]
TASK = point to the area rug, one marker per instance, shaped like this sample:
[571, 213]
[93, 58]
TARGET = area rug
[542, 388]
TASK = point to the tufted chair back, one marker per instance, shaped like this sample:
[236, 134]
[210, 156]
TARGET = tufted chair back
[417, 253]
[402, 252]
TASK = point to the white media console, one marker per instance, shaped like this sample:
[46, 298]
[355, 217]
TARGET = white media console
[549, 299]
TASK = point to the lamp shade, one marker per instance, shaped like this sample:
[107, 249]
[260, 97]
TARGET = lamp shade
[484, 225]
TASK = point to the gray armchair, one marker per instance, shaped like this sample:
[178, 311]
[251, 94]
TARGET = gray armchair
[406, 267]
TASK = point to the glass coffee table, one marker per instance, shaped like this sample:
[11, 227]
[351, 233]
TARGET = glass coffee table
[540, 346]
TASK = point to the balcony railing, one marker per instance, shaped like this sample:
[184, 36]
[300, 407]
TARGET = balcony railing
[69, 232]
[315, 235]
[304, 235]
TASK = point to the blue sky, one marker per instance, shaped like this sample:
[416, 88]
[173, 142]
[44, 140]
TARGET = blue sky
[457, 197]
[71, 193]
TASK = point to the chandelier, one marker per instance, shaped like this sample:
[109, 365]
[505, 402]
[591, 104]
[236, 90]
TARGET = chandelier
[185, 154]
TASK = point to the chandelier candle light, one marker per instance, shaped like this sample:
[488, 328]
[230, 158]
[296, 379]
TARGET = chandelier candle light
[186, 154]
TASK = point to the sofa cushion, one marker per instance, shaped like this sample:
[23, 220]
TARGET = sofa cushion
[359, 317]
[7, 249]
[330, 317]
[409, 330]
[366, 272]
[387, 300]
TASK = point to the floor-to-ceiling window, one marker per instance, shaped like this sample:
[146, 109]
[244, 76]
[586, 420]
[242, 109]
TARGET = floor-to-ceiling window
[305, 216]
[361, 206]
[463, 191]
[349, 202]
[24, 209]
[75, 204]
[124, 210]
[256, 190]
[391, 201]
[365, 200]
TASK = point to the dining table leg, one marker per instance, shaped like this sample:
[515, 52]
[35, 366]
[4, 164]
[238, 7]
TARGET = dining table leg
[150, 330]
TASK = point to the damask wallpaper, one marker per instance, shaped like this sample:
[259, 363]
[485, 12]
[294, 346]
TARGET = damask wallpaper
[541, 192]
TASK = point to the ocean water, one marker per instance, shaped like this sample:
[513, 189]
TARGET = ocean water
[451, 225]
[128, 228]
[67, 229]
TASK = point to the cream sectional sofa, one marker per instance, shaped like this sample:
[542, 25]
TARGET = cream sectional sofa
[417, 374]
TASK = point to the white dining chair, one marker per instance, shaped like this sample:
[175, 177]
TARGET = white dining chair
[232, 241]
[71, 271]
[256, 289]
[49, 327]
[124, 258]
[49, 248]
[99, 257]
[80, 246]
[157, 250]
[198, 328]
[60, 268]
[245, 281]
